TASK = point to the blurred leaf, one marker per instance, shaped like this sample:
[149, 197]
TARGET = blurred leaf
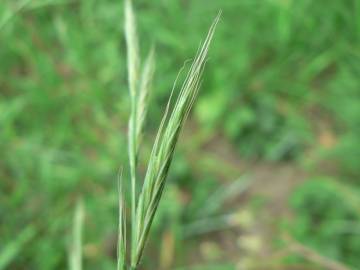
[14, 249]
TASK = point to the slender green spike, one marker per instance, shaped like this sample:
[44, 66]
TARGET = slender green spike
[121, 249]
[164, 147]
[132, 44]
[76, 247]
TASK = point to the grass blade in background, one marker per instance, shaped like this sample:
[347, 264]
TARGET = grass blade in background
[12, 13]
[10, 251]
[75, 256]
[225, 193]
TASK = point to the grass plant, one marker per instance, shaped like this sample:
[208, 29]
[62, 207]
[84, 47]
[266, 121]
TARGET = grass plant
[145, 202]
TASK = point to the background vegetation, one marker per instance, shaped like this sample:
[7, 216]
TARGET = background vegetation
[266, 175]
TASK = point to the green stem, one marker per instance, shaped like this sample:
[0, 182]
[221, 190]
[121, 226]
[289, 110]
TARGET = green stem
[132, 160]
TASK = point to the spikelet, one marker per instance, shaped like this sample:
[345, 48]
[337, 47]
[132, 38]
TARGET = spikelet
[164, 146]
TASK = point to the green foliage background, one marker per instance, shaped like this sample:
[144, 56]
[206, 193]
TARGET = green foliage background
[281, 85]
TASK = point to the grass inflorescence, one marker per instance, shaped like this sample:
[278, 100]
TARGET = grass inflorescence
[145, 202]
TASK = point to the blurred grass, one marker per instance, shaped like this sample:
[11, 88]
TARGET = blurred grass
[13, 249]
[281, 85]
